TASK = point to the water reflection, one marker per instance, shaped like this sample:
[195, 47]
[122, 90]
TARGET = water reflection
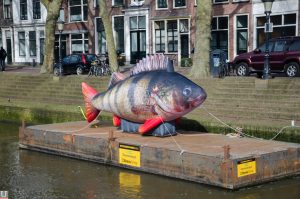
[27, 174]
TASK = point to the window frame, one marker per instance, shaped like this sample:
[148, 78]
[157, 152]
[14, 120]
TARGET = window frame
[237, 29]
[116, 32]
[258, 28]
[23, 10]
[36, 9]
[82, 11]
[157, 8]
[178, 7]
[223, 2]
[162, 39]
[7, 10]
[84, 41]
[116, 5]
[32, 43]
[221, 29]
[23, 43]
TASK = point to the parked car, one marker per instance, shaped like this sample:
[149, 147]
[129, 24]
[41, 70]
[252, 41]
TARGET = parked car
[75, 64]
[284, 56]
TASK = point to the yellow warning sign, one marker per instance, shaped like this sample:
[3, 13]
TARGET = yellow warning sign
[246, 167]
[129, 155]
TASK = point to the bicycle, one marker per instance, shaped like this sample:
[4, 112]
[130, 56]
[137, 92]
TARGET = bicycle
[224, 69]
[99, 67]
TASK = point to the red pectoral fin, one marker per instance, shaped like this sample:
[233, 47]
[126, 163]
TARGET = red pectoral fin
[150, 124]
[116, 120]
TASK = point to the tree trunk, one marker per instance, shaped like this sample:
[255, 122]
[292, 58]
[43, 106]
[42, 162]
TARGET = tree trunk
[113, 62]
[201, 67]
[53, 7]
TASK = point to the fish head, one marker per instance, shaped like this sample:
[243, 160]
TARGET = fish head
[176, 95]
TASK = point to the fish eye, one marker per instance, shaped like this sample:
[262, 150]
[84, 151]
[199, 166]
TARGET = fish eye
[187, 91]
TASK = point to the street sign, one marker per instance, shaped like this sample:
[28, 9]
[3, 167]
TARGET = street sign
[268, 27]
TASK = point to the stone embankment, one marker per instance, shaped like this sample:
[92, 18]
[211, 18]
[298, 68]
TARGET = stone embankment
[259, 107]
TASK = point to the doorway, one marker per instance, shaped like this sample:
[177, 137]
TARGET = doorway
[137, 45]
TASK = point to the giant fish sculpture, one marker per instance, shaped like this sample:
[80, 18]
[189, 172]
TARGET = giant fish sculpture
[151, 95]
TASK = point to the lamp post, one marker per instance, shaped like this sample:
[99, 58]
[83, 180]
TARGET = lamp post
[268, 7]
[60, 28]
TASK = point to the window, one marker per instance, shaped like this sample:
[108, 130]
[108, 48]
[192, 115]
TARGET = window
[36, 9]
[61, 15]
[283, 25]
[101, 37]
[172, 36]
[78, 10]
[117, 2]
[161, 4]
[241, 34]
[32, 43]
[219, 33]
[119, 33]
[220, 1]
[184, 26]
[79, 43]
[179, 3]
[23, 9]
[21, 36]
[159, 36]
[7, 9]
[137, 22]
[295, 46]
[279, 46]
[137, 2]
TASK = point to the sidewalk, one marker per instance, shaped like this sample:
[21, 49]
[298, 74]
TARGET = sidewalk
[22, 69]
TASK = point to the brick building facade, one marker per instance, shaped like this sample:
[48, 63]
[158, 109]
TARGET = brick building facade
[144, 27]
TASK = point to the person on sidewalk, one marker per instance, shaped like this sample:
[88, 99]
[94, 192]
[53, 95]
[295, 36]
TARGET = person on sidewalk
[2, 58]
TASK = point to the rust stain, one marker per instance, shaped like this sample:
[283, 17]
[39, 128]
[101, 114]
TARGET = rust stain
[68, 139]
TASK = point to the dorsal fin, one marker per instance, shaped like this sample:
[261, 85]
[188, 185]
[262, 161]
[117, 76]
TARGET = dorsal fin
[153, 62]
[115, 78]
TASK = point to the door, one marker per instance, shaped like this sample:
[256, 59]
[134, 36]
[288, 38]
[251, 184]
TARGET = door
[277, 56]
[72, 66]
[184, 46]
[258, 56]
[137, 45]
[8, 51]
[137, 38]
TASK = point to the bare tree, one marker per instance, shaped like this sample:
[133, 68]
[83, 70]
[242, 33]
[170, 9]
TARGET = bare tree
[113, 62]
[52, 7]
[203, 36]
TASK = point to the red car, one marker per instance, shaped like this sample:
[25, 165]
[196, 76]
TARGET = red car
[284, 58]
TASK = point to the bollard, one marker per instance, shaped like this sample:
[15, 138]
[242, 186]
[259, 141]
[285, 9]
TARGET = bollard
[226, 152]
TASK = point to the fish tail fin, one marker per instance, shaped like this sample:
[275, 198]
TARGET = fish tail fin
[88, 94]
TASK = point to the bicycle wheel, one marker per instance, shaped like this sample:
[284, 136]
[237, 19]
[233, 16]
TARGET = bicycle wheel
[91, 71]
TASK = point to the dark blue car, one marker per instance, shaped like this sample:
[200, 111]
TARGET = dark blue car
[74, 64]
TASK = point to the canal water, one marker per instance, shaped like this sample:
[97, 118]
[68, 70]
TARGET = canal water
[31, 175]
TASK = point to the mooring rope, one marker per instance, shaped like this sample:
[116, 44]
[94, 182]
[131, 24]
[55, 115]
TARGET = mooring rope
[178, 145]
[244, 134]
[86, 126]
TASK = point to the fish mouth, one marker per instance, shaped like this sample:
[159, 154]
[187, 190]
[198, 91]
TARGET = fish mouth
[198, 101]
[180, 110]
[164, 107]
